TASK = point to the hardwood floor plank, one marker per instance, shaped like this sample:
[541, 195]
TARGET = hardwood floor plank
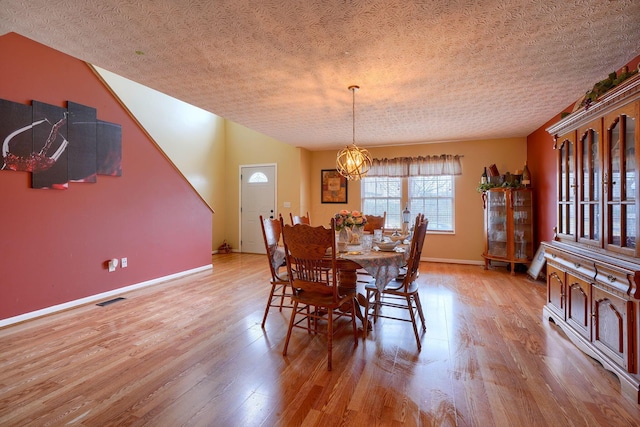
[191, 352]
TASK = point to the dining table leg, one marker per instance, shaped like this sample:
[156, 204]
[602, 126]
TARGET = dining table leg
[347, 280]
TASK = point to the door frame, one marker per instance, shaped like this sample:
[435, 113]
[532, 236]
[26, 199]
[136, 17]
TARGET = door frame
[275, 194]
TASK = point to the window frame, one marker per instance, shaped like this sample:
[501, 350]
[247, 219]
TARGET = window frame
[406, 200]
[381, 208]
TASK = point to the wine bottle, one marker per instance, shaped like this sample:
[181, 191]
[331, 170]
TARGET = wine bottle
[483, 178]
[526, 176]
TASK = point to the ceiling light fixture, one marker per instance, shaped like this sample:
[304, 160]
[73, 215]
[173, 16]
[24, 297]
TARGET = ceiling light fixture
[353, 162]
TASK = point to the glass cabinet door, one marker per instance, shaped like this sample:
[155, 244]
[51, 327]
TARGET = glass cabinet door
[522, 225]
[620, 181]
[497, 223]
[589, 184]
[566, 188]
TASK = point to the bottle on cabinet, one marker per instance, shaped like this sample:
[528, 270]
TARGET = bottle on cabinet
[484, 179]
[526, 176]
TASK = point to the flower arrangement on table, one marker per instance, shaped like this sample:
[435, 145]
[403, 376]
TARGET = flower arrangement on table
[346, 219]
[350, 225]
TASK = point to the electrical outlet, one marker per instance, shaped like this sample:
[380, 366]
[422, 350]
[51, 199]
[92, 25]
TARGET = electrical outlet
[123, 262]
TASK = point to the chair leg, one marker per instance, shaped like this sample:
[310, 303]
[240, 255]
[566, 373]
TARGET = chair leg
[284, 291]
[365, 320]
[376, 305]
[266, 310]
[330, 339]
[413, 322]
[419, 306]
[356, 306]
[293, 318]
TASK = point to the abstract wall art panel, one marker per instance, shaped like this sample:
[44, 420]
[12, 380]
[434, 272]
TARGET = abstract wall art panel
[109, 149]
[82, 136]
[50, 166]
[15, 136]
[58, 145]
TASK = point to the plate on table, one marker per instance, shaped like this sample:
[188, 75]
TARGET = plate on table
[387, 246]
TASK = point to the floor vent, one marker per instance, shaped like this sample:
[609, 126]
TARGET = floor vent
[111, 301]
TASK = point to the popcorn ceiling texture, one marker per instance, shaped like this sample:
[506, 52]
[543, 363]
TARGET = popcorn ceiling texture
[429, 71]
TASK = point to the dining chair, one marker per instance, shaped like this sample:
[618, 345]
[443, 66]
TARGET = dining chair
[375, 222]
[296, 219]
[400, 294]
[271, 232]
[313, 271]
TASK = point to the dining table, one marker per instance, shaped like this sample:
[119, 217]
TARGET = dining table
[383, 266]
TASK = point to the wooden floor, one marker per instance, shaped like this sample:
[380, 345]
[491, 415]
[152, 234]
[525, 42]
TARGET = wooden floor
[192, 352]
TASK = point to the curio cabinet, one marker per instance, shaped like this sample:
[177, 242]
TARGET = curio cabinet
[593, 264]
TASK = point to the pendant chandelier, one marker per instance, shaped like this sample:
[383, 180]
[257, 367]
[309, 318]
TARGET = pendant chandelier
[353, 162]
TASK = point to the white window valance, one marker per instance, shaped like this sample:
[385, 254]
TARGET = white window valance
[444, 164]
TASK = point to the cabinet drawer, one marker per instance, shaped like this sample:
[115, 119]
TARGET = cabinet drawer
[580, 267]
[613, 278]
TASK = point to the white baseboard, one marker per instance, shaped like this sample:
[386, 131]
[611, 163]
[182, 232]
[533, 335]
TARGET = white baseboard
[452, 261]
[92, 298]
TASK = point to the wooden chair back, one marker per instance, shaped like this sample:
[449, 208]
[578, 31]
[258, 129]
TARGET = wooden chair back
[311, 258]
[375, 222]
[415, 252]
[272, 232]
[296, 219]
[404, 295]
[312, 269]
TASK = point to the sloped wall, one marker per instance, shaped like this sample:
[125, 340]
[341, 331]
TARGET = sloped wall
[54, 244]
[192, 138]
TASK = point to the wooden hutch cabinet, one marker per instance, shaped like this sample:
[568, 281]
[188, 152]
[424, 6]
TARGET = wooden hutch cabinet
[593, 264]
[508, 226]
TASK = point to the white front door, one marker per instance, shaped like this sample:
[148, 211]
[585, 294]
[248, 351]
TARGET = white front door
[258, 197]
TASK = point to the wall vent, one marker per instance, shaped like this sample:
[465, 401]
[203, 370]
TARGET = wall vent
[111, 301]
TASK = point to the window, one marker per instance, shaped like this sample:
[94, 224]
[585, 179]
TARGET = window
[383, 194]
[431, 195]
[423, 183]
[258, 177]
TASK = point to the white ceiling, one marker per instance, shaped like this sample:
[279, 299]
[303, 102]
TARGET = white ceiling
[429, 71]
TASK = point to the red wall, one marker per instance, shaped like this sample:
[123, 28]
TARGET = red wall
[54, 244]
[541, 158]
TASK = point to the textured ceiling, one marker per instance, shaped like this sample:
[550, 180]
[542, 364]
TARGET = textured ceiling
[429, 71]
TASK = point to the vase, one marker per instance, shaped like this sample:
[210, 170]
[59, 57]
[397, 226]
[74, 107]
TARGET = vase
[357, 233]
[344, 235]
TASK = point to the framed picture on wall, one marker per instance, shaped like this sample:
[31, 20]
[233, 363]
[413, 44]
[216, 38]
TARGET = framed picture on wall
[334, 187]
